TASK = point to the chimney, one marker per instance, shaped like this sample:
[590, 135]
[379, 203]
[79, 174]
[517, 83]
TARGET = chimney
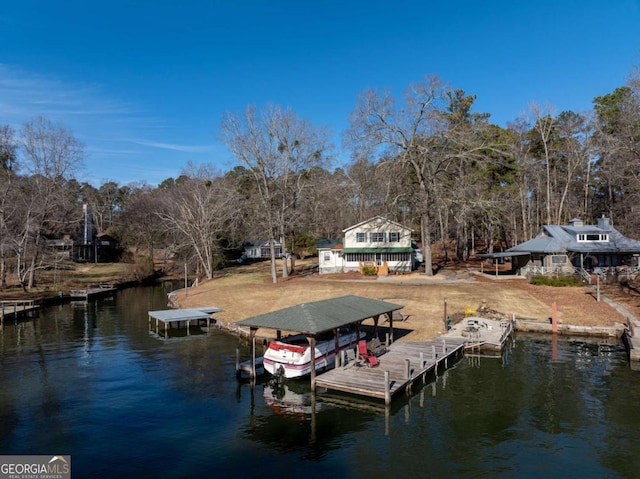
[88, 220]
[576, 222]
[603, 223]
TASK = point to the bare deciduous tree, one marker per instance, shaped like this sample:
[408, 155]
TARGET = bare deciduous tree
[52, 155]
[278, 148]
[201, 209]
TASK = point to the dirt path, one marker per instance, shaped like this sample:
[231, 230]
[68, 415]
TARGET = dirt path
[249, 294]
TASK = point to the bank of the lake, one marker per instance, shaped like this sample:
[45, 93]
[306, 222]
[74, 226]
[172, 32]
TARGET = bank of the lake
[427, 300]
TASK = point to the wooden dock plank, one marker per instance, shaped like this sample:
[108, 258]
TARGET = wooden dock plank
[366, 381]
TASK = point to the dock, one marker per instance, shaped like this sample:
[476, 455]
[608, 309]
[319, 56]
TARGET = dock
[90, 293]
[404, 363]
[174, 318]
[17, 308]
[482, 334]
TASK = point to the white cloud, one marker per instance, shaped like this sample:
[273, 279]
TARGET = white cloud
[176, 147]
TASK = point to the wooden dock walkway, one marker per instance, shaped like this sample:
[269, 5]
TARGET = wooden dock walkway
[16, 308]
[404, 363]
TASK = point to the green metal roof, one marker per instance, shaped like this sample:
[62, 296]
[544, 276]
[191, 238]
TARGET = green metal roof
[406, 249]
[319, 316]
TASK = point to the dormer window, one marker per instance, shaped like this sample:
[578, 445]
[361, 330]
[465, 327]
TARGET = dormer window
[593, 238]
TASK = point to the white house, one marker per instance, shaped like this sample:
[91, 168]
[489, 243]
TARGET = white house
[376, 242]
[260, 249]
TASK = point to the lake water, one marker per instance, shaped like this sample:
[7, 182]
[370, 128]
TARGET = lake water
[89, 380]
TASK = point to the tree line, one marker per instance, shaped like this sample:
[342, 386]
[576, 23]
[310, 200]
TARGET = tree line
[425, 159]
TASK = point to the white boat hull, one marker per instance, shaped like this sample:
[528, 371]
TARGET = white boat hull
[294, 360]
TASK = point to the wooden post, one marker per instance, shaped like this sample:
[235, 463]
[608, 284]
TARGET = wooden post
[554, 320]
[598, 287]
[238, 373]
[407, 369]
[387, 389]
[444, 319]
[188, 329]
[375, 325]
[421, 360]
[312, 344]
[252, 334]
[336, 351]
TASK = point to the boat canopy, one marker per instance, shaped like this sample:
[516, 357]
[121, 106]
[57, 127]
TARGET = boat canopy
[319, 316]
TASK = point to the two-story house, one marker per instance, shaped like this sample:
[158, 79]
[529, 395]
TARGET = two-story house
[377, 242]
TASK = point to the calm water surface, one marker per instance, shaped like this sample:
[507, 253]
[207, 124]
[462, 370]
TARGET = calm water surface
[90, 381]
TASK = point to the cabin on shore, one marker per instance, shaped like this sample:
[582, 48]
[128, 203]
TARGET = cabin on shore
[573, 248]
[260, 249]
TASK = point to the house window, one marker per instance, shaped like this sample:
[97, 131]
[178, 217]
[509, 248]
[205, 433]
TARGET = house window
[394, 237]
[327, 256]
[377, 237]
[593, 238]
[361, 237]
[558, 259]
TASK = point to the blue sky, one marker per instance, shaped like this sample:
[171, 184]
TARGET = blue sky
[144, 84]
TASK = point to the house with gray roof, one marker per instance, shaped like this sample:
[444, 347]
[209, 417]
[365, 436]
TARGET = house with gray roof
[565, 248]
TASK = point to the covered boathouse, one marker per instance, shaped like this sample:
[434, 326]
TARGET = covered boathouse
[177, 317]
[312, 319]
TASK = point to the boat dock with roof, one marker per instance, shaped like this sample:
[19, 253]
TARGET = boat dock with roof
[396, 369]
[181, 317]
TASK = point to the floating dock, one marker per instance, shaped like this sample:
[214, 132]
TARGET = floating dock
[481, 334]
[404, 363]
[90, 293]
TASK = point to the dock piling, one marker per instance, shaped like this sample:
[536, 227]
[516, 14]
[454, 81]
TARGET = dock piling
[387, 389]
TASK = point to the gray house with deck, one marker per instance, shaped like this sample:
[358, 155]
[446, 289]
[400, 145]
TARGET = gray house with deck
[574, 247]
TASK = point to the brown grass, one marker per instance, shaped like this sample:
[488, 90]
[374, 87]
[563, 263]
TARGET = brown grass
[252, 293]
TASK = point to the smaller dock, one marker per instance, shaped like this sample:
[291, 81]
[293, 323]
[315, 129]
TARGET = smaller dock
[481, 334]
[404, 363]
[90, 293]
[177, 317]
[16, 309]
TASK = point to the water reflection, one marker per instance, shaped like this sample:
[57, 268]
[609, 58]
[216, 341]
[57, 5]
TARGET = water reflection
[90, 380]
